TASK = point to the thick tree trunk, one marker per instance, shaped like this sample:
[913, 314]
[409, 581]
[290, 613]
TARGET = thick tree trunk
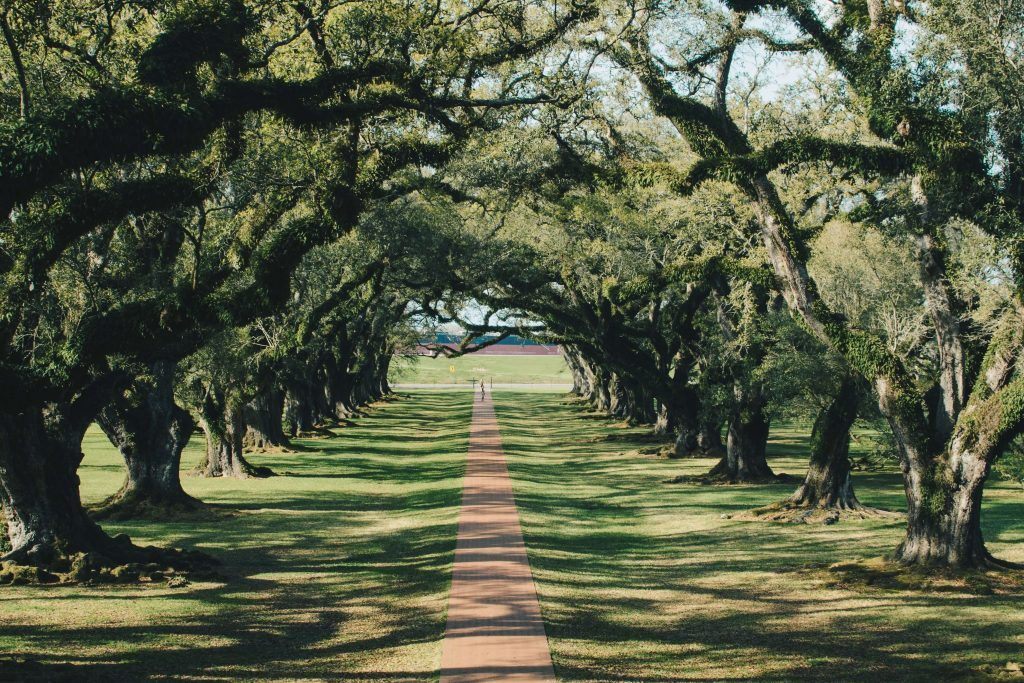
[341, 387]
[264, 421]
[150, 431]
[944, 527]
[944, 506]
[39, 492]
[300, 409]
[47, 527]
[224, 426]
[828, 484]
[709, 438]
[602, 400]
[383, 370]
[746, 446]
[575, 364]
[686, 425]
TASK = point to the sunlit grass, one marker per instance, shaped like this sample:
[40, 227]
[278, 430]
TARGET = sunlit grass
[500, 369]
[641, 580]
[339, 570]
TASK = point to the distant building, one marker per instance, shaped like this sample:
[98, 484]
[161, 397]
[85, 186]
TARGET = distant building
[509, 346]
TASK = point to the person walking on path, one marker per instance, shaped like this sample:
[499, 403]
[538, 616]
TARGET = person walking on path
[483, 393]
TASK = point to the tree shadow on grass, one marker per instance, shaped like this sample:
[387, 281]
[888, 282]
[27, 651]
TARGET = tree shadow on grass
[640, 581]
[322, 576]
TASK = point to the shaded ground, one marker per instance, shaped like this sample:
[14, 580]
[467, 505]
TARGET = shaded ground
[641, 580]
[342, 567]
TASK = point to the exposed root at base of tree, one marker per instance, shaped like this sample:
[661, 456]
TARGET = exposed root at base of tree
[284, 448]
[788, 512]
[671, 453]
[709, 479]
[317, 432]
[885, 573]
[121, 506]
[128, 564]
[250, 471]
[659, 450]
[1011, 671]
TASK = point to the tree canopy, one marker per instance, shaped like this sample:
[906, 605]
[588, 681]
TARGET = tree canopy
[234, 214]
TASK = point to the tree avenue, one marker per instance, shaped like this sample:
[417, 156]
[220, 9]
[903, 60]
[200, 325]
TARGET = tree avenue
[231, 216]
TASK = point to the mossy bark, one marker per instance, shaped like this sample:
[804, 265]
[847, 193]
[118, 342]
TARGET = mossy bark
[828, 484]
[223, 424]
[264, 417]
[745, 460]
[39, 459]
[47, 526]
[150, 431]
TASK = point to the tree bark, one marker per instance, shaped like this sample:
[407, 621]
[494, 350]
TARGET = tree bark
[685, 423]
[39, 461]
[828, 484]
[223, 423]
[944, 521]
[602, 400]
[47, 527]
[264, 421]
[303, 407]
[150, 431]
[709, 438]
[746, 446]
[579, 384]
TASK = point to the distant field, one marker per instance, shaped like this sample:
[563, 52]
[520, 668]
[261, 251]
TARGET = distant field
[500, 369]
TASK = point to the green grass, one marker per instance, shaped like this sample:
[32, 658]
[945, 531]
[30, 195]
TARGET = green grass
[339, 570]
[500, 369]
[641, 580]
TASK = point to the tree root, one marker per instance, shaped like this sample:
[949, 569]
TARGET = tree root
[789, 512]
[284, 448]
[129, 506]
[121, 562]
[713, 479]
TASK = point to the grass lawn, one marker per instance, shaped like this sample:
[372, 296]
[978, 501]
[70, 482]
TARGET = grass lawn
[500, 369]
[641, 580]
[338, 571]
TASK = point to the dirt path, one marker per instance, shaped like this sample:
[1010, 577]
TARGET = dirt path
[495, 631]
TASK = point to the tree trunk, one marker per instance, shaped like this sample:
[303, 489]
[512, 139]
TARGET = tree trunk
[602, 400]
[682, 420]
[150, 432]
[944, 527]
[39, 461]
[224, 426]
[745, 459]
[579, 383]
[944, 503]
[263, 419]
[47, 527]
[383, 370]
[709, 438]
[828, 484]
[300, 409]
